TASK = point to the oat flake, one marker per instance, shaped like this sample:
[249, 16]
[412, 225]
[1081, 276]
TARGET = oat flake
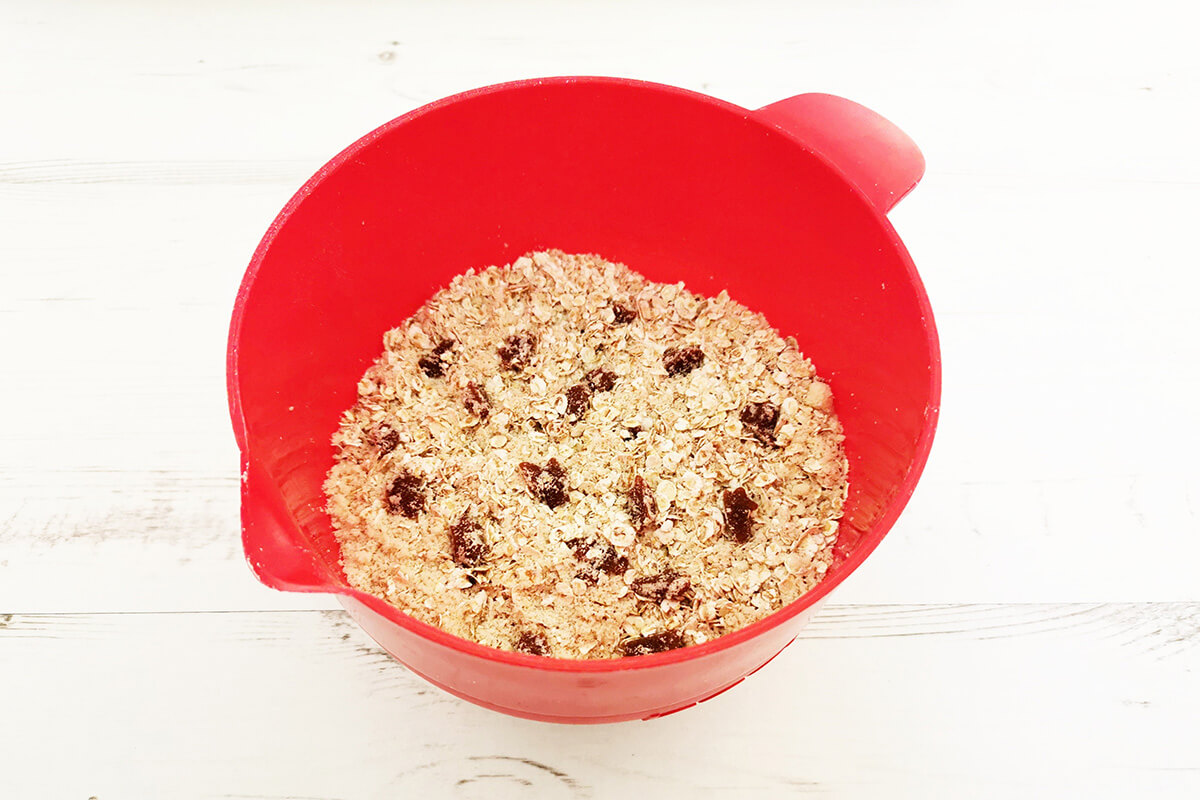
[680, 431]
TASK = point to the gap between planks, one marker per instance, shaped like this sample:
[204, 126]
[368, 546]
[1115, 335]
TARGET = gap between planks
[1161, 629]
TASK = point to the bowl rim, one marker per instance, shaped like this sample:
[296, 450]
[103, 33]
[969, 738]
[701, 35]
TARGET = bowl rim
[867, 543]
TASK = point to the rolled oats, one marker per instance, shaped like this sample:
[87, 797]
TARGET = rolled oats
[692, 486]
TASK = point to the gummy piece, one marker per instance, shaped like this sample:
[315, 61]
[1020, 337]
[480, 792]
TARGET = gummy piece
[532, 642]
[682, 360]
[476, 400]
[600, 380]
[517, 351]
[622, 314]
[406, 495]
[578, 398]
[666, 585]
[738, 522]
[760, 419]
[654, 643]
[643, 508]
[468, 548]
[548, 484]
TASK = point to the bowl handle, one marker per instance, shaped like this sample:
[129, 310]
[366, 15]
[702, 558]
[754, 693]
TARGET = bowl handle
[873, 153]
[268, 532]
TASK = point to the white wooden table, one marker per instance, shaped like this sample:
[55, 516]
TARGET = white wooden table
[1031, 628]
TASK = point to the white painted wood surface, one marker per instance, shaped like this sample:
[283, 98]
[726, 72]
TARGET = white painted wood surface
[1029, 629]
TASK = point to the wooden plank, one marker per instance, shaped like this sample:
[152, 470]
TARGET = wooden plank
[1095, 700]
[983, 92]
[146, 149]
[1057, 462]
[1053, 261]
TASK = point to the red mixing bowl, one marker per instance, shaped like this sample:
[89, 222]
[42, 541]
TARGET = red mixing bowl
[783, 207]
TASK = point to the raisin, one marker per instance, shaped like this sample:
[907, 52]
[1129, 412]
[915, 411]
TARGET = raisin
[600, 380]
[532, 642]
[622, 314]
[612, 562]
[476, 400]
[468, 548]
[666, 585]
[578, 398]
[587, 573]
[385, 439]
[643, 508]
[433, 364]
[682, 360]
[599, 555]
[760, 419]
[554, 492]
[654, 643]
[530, 472]
[548, 484]
[406, 495]
[517, 351]
[738, 522]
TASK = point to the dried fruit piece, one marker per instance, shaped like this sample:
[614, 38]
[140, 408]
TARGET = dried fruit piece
[548, 484]
[738, 522]
[760, 420]
[654, 643]
[682, 360]
[611, 562]
[600, 380]
[517, 351]
[468, 547]
[406, 495]
[599, 555]
[666, 585]
[631, 433]
[532, 642]
[433, 364]
[476, 400]
[643, 508]
[623, 314]
[578, 398]
[530, 472]
[385, 439]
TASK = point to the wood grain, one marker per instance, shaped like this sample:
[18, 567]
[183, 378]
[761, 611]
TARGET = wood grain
[1043, 483]
[1030, 627]
[168, 173]
[871, 701]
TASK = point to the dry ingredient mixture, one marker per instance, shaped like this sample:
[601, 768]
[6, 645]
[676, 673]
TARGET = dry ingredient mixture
[563, 458]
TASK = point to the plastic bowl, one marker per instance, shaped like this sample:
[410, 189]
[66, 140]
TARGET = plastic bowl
[783, 207]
